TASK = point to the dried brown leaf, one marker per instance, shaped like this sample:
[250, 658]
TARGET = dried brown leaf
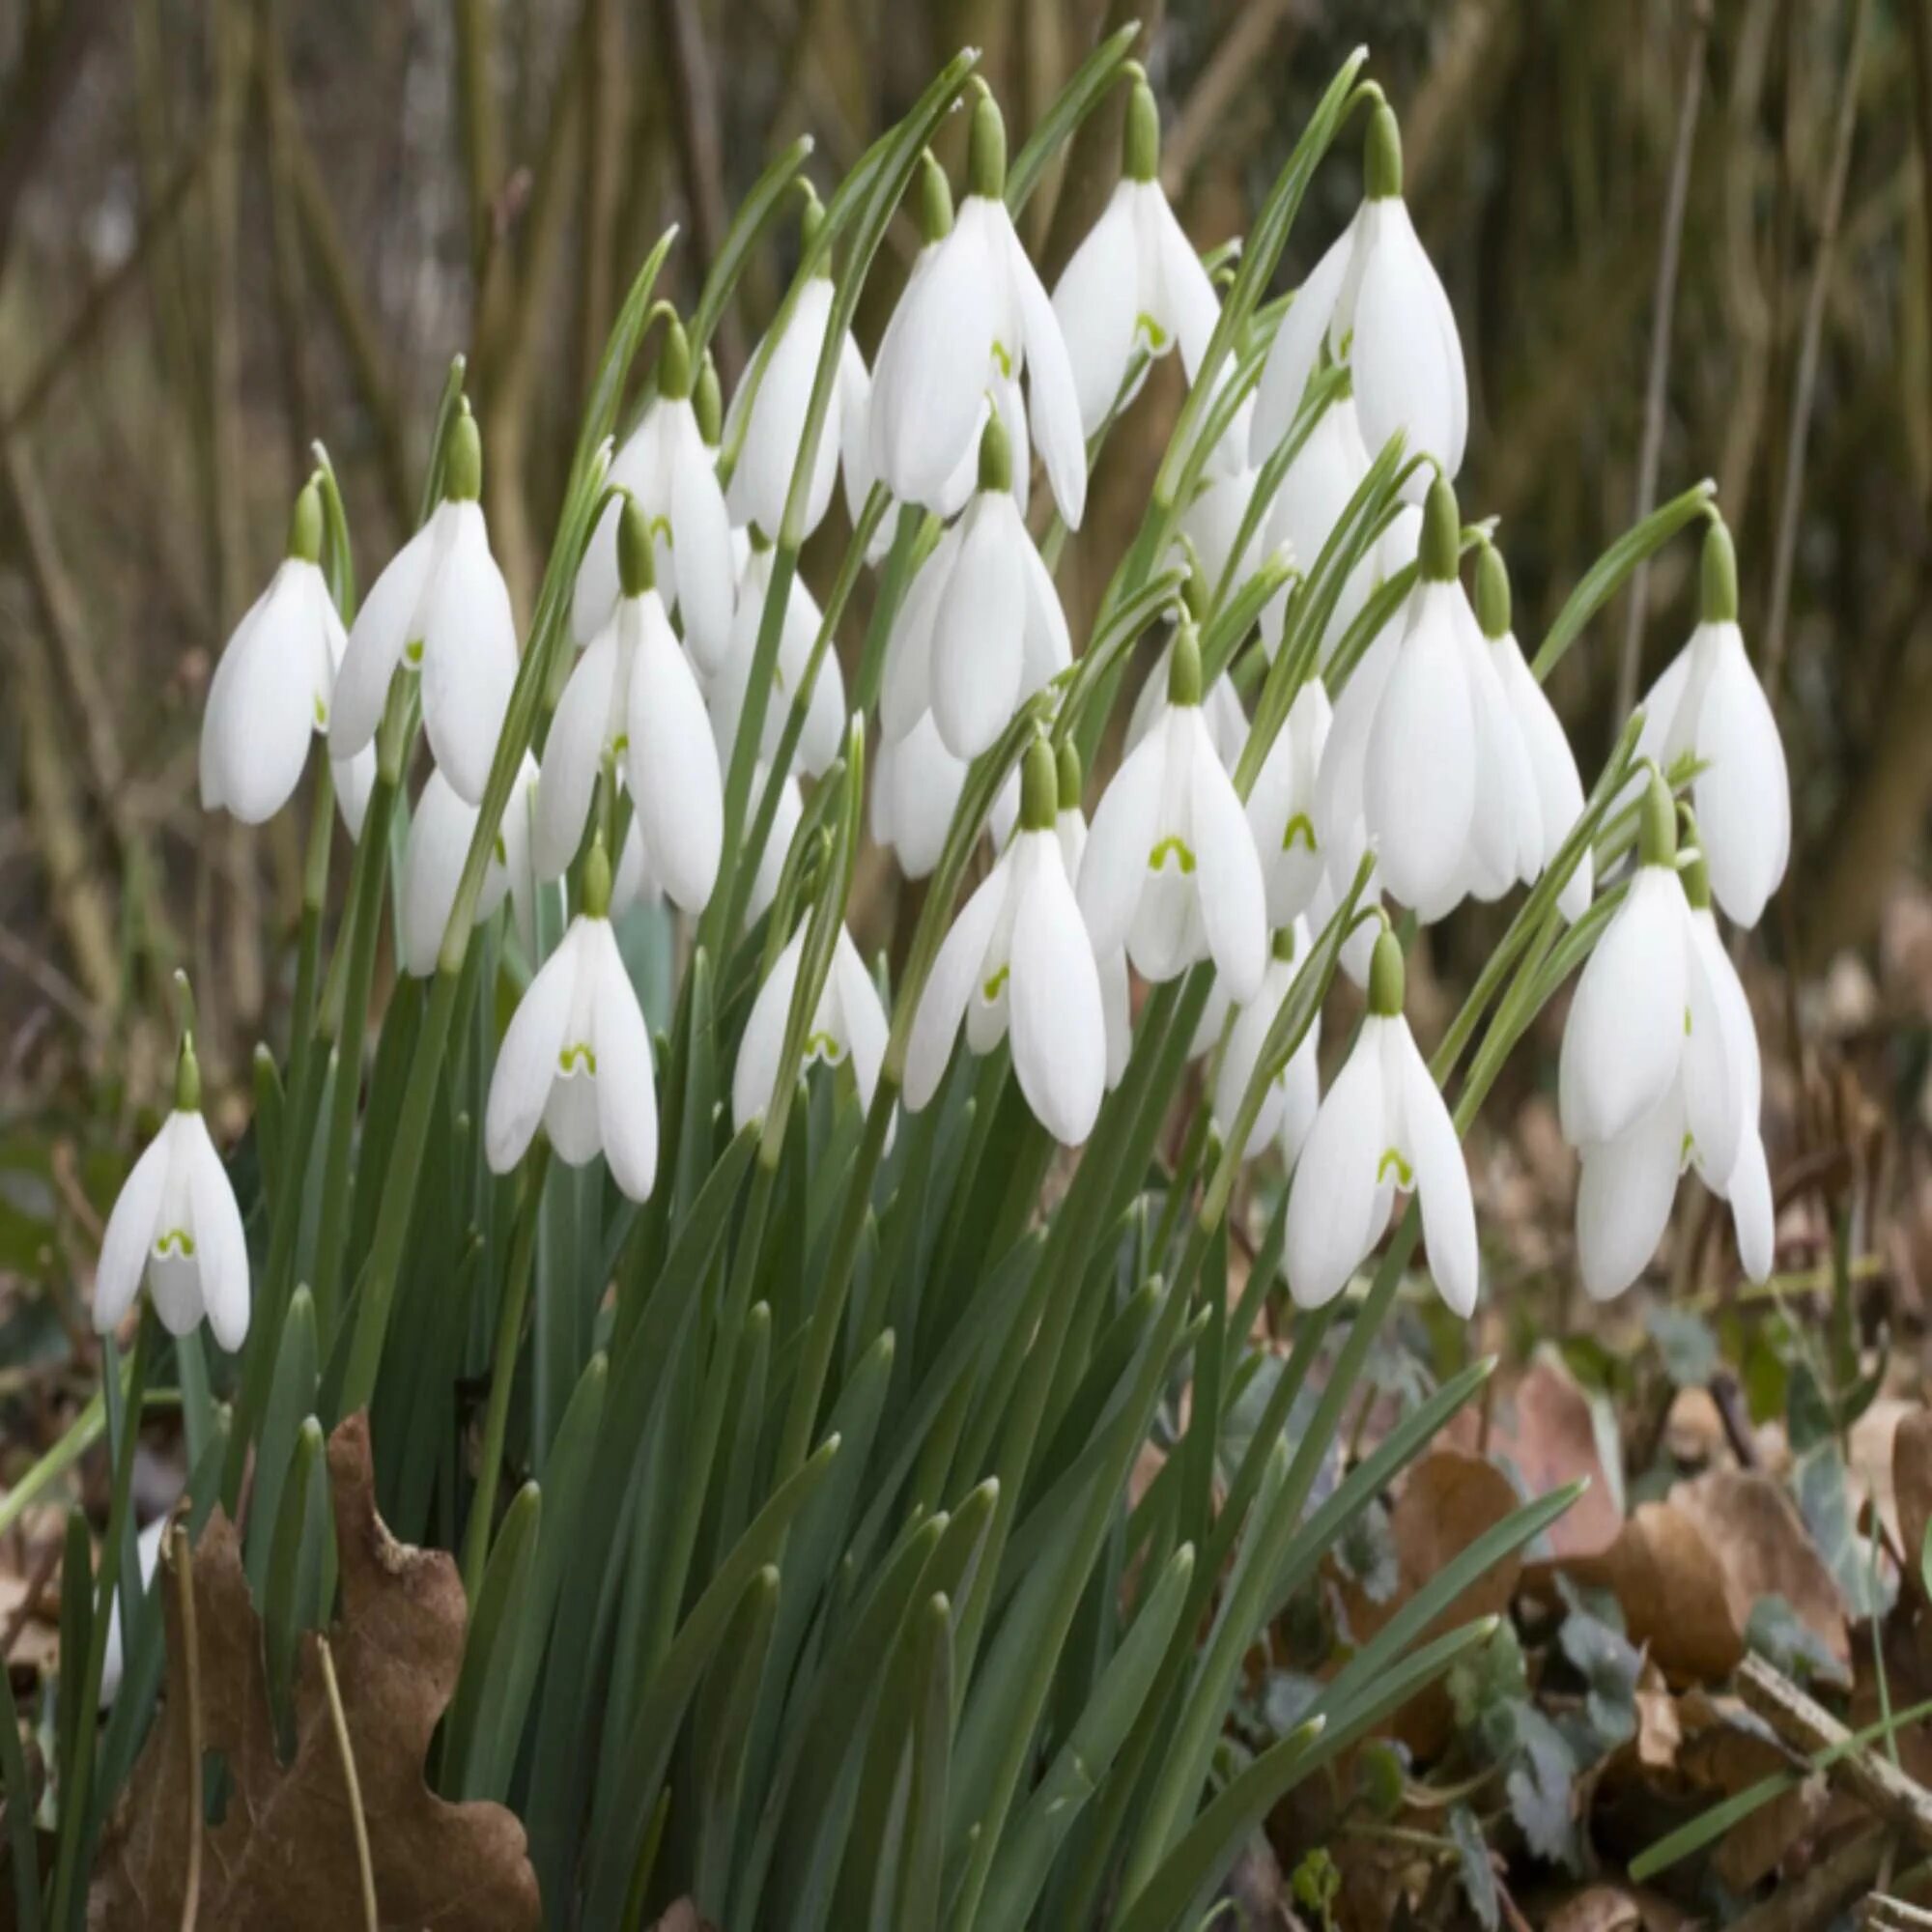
[284, 1853]
[1912, 1484]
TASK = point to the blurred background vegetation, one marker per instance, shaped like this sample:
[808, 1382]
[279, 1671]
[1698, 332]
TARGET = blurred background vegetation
[228, 226]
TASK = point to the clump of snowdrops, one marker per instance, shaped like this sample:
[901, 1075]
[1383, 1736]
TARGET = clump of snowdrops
[774, 1343]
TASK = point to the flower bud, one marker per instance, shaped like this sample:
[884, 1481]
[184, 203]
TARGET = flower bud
[935, 200]
[597, 881]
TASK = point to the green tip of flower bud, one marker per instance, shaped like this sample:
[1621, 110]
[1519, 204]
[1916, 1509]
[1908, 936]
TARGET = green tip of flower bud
[1656, 828]
[1039, 787]
[1386, 977]
[1183, 666]
[986, 147]
[305, 524]
[707, 403]
[462, 465]
[935, 200]
[1440, 551]
[996, 455]
[1696, 874]
[1718, 584]
[187, 1078]
[1493, 592]
[1381, 154]
[597, 881]
[1140, 145]
[1071, 777]
[674, 362]
[636, 567]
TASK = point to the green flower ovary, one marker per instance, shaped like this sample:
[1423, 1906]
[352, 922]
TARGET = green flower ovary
[1004, 358]
[1178, 846]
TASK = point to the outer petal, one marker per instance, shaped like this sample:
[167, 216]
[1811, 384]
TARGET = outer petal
[1117, 1006]
[1301, 1095]
[756, 1072]
[1624, 1038]
[1296, 345]
[627, 1106]
[1245, 1042]
[439, 835]
[1749, 1191]
[355, 781]
[762, 478]
[955, 971]
[866, 1029]
[376, 643]
[131, 1225]
[906, 696]
[976, 639]
[1408, 371]
[1234, 902]
[1720, 1064]
[469, 657]
[1624, 1196]
[1333, 1197]
[673, 768]
[526, 1063]
[264, 704]
[572, 756]
[1052, 404]
[1058, 1028]
[1743, 795]
[1048, 648]
[701, 536]
[221, 1245]
[1441, 1181]
[1094, 305]
[1187, 306]
[1559, 790]
[916, 790]
[1114, 867]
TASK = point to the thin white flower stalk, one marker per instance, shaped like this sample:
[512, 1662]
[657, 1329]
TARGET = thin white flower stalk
[670, 472]
[633, 702]
[1381, 1130]
[440, 611]
[1709, 706]
[1134, 284]
[440, 831]
[1019, 964]
[1281, 806]
[1169, 869]
[823, 737]
[272, 690]
[848, 1028]
[973, 313]
[1376, 300]
[1290, 1099]
[1659, 1069]
[575, 1058]
[174, 1228]
[981, 629]
[766, 423]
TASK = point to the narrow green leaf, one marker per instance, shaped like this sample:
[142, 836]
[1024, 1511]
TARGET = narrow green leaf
[501, 1604]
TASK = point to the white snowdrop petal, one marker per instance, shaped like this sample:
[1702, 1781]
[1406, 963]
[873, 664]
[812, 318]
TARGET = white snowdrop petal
[1053, 403]
[1297, 343]
[1117, 1009]
[906, 694]
[702, 540]
[673, 768]
[1058, 1030]
[1405, 378]
[526, 1063]
[627, 1107]
[440, 830]
[221, 1247]
[1441, 1181]
[1749, 1191]
[1333, 1197]
[1300, 1096]
[1713, 1065]
[1623, 1198]
[262, 705]
[1094, 305]
[755, 1075]
[762, 478]
[1188, 306]
[977, 638]
[132, 1226]
[1559, 788]
[916, 791]
[570, 1119]
[1744, 796]
[864, 1014]
[1233, 900]
[573, 756]
[1114, 867]
[1048, 649]
[376, 642]
[469, 656]
[355, 781]
[950, 986]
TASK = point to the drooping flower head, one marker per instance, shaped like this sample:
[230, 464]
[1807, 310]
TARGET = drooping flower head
[848, 1027]
[440, 831]
[1288, 1100]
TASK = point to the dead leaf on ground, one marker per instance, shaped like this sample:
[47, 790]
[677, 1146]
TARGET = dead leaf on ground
[683, 1917]
[284, 1853]
[1912, 1484]
[1616, 1908]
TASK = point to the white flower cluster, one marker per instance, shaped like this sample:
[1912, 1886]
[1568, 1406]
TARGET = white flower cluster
[1428, 750]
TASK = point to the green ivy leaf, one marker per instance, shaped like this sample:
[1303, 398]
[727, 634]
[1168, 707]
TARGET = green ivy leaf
[1542, 1787]
[1783, 1638]
[1685, 1341]
[1479, 1878]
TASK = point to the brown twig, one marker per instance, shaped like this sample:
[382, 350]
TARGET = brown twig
[1230, 67]
[364, 1865]
[182, 1565]
[1831, 1884]
[1670, 249]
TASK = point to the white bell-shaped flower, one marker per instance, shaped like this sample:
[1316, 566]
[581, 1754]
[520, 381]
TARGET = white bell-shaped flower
[823, 738]
[1116, 997]
[577, 1056]
[1553, 764]
[439, 843]
[1288, 1101]
[1375, 297]
[1381, 1130]
[175, 1225]
[1018, 962]
[1135, 281]
[916, 788]
[672, 474]
[633, 698]
[980, 629]
[972, 311]
[1220, 707]
[1709, 706]
[1281, 806]
[272, 690]
[441, 609]
[1171, 870]
[848, 1027]
[355, 781]
[772, 415]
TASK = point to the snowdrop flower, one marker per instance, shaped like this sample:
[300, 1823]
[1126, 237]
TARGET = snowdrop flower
[1288, 1101]
[916, 788]
[848, 1028]
[767, 421]
[972, 311]
[981, 629]
[1697, 1100]
[1709, 705]
[270, 691]
[441, 609]
[670, 471]
[438, 844]
[823, 737]
[175, 1226]
[355, 781]
[1377, 302]
[1018, 960]
[1221, 709]
[1382, 1130]
[1281, 806]
[1170, 869]
[1553, 764]
[1135, 281]
[632, 696]
[1070, 824]
[577, 1056]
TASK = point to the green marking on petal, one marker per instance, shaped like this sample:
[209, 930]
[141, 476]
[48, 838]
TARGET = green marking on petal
[413, 652]
[1405, 1176]
[1300, 824]
[661, 530]
[621, 744]
[321, 715]
[994, 986]
[1002, 358]
[1178, 846]
[824, 1046]
[1156, 337]
[1687, 1022]
[177, 1241]
[574, 1058]
[501, 850]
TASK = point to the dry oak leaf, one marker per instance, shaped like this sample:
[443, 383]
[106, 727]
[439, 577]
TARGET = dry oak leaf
[1912, 1484]
[284, 1853]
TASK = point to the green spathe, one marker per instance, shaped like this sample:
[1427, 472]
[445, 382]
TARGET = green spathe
[1387, 977]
